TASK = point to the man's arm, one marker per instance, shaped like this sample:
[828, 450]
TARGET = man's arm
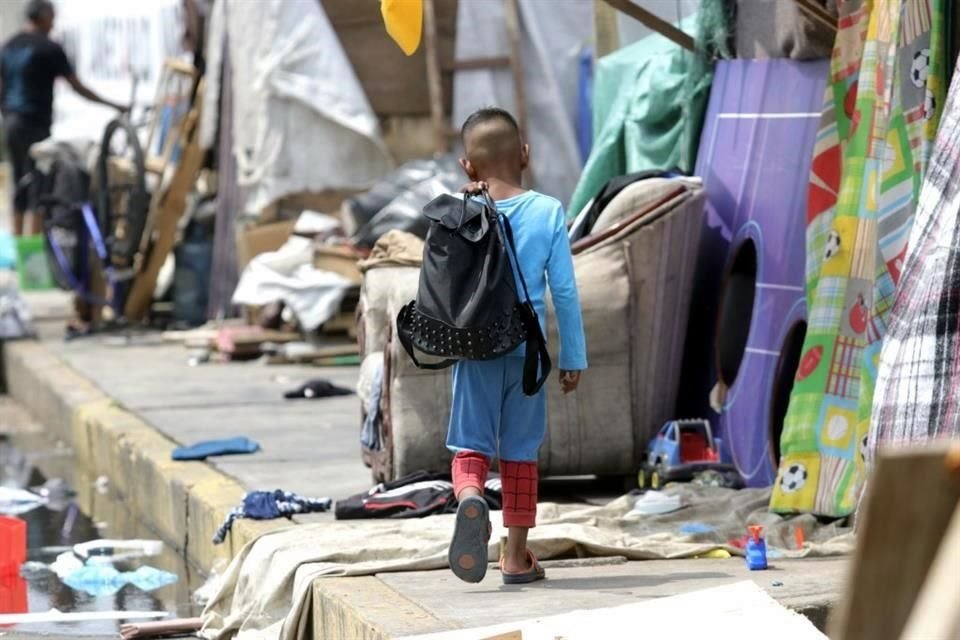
[91, 95]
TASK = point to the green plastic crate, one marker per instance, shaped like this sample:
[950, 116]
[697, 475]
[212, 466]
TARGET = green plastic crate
[33, 272]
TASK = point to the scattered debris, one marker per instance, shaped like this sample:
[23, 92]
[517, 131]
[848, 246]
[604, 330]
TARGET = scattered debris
[57, 616]
[118, 550]
[99, 579]
[14, 502]
[209, 448]
[655, 503]
[776, 583]
[178, 627]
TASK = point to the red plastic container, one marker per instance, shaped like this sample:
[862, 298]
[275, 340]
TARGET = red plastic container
[13, 545]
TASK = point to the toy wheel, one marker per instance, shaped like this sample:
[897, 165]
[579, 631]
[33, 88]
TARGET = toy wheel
[656, 480]
[643, 477]
[122, 199]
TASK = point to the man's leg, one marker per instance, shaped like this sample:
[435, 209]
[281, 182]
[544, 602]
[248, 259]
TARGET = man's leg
[524, 426]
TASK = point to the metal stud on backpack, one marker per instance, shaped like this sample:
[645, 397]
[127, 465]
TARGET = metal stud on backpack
[468, 306]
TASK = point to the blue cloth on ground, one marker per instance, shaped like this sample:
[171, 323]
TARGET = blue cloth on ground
[268, 505]
[203, 450]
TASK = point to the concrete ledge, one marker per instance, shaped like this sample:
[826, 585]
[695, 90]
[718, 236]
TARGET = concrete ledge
[183, 502]
[366, 609]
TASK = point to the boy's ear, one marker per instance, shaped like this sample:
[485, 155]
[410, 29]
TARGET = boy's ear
[468, 169]
[524, 156]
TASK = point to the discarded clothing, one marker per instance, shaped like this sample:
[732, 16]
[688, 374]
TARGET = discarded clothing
[269, 505]
[394, 249]
[288, 275]
[203, 450]
[15, 319]
[318, 388]
[370, 434]
[413, 496]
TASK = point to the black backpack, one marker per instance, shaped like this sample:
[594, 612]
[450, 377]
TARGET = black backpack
[467, 305]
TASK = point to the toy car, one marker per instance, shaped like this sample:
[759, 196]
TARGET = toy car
[682, 449]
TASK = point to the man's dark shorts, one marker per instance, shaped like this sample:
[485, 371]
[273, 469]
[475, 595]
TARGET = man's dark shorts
[20, 133]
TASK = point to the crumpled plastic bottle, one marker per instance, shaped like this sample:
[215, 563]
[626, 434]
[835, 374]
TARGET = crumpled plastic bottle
[99, 579]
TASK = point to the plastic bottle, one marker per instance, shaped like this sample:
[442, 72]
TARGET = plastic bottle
[756, 549]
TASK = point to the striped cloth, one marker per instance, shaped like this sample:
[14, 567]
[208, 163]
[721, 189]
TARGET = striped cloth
[917, 395]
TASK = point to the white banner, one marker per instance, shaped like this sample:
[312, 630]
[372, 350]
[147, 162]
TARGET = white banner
[111, 42]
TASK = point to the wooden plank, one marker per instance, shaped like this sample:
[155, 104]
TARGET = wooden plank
[606, 35]
[816, 13]
[910, 501]
[936, 616]
[651, 21]
[434, 82]
[512, 15]
[471, 64]
[170, 208]
[396, 85]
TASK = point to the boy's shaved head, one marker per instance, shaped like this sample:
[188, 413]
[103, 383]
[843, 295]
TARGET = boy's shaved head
[491, 141]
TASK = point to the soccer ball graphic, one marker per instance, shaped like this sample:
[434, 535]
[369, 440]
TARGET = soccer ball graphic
[929, 105]
[793, 479]
[832, 246]
[920, 67]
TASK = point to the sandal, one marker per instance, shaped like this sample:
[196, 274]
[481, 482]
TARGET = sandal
[471, 535]
[533, 574]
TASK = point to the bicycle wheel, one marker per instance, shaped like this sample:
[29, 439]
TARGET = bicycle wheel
[122, 199]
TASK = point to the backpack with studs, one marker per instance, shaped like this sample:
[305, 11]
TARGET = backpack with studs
[468, 306]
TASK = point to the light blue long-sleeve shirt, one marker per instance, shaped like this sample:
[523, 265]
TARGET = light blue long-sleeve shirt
[543, 250]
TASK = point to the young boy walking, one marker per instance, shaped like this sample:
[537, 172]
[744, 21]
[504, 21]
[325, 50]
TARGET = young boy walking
[491, 417]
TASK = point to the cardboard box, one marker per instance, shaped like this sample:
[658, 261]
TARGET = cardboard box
[339, 260]
[252, 241]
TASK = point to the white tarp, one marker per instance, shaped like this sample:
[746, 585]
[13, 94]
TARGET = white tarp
[301, 119]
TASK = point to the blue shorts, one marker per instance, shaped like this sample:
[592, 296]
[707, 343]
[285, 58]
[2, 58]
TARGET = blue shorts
[490, 413]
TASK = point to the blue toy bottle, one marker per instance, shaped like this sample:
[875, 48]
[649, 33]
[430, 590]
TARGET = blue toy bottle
[756, 551]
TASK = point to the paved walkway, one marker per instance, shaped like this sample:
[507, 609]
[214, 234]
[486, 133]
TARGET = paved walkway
[308, 446]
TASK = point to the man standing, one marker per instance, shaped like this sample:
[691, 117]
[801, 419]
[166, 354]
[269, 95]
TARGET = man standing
[29, 64]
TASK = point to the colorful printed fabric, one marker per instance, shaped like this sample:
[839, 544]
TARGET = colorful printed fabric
[878, 124]
[919, 373]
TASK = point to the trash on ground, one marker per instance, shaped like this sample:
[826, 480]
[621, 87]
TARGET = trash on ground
[694, 528]
[66, 564]
[177, 627]
[315, 389]
[756, 551]
[100, 579]
[14, 502]
[118, 550]
[55, 615]
[655, 502]
[715, 554]
[208, 448]
[268, 505]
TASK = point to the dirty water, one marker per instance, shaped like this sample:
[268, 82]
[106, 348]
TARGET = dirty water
[94, 512]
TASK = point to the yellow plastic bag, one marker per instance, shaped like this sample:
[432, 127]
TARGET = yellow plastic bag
[404, 22]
